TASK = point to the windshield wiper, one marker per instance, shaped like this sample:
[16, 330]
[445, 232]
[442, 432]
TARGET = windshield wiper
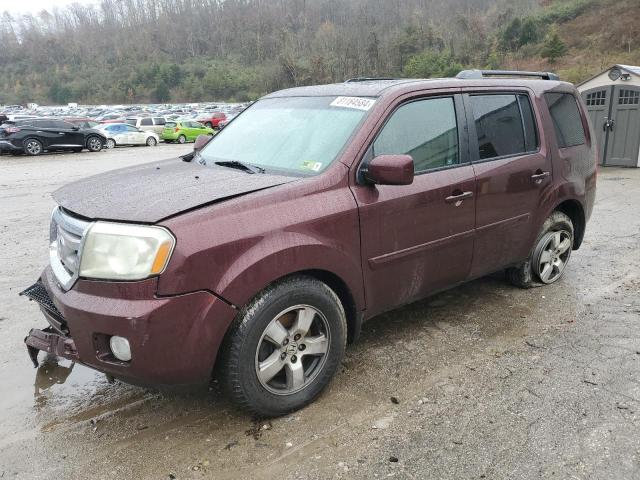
[247, 167]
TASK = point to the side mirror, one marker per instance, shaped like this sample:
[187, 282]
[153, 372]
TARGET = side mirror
[390, 170]
[201, 141]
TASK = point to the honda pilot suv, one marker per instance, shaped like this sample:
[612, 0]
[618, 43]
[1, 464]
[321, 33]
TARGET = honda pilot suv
[262, 255]
[34, 136]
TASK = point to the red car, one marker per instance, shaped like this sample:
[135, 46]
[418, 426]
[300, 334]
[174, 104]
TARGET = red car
[211, 119]
[271, 250]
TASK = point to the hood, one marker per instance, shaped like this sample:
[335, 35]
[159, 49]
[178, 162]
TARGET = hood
[154, 191]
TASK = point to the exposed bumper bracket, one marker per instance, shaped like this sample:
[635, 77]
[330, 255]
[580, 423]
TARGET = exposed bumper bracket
[49, 341]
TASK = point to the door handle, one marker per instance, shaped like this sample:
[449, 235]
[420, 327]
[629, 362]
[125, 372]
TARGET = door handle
[457, 198]
[539, 176]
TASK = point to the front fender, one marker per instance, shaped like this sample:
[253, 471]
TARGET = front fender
[282, 254]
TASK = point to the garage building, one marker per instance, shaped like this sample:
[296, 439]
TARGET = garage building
[613, 101]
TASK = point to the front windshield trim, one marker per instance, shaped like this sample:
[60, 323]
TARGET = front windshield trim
[353, 128]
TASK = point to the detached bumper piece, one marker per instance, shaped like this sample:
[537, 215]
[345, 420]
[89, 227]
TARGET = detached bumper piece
[53, 339]
[49, 341]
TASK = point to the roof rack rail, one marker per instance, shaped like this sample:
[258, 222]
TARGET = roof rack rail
[476, 74]
[369, 79]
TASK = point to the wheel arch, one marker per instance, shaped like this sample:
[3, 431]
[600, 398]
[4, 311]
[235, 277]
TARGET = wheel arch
[574, 210]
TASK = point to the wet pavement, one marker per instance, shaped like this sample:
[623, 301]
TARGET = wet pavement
[482, 381]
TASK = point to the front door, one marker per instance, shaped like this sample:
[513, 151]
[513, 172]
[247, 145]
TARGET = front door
[512, 173]
[417, 239]
[624, 129]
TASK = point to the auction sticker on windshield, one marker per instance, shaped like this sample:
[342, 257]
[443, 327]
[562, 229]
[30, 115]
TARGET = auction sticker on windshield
[353, 102]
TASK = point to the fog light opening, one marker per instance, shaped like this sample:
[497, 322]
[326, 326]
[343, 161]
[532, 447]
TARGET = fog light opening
[120, 348]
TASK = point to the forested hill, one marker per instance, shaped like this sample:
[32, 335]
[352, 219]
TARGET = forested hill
[199, 50]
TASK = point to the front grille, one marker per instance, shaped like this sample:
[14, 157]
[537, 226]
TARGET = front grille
[39, 294]
[65, 236]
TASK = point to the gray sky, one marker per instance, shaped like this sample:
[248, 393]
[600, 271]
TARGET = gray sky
[34, 6]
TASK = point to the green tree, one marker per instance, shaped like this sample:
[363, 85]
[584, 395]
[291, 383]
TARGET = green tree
[428, 64]
[553, 47]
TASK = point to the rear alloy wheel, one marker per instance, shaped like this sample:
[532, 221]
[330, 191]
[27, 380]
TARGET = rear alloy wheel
[182, 139]
[32, 147]
[94, 144]
[284, 347]
[551, 255]
[208, 125]
[111, 143]
[152, 142]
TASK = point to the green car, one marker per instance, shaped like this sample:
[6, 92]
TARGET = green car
[182, 132]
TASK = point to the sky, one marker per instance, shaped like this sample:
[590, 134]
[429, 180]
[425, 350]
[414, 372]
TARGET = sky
[34, 6]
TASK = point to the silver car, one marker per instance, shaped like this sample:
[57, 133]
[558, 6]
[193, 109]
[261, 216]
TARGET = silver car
[125, 134]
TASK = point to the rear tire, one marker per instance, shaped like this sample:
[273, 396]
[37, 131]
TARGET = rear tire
[532, 273]
[32, 147]
[110, 143]
[284, 347]
[151, 142]
[208, 124]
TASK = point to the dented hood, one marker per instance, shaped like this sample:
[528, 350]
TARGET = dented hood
[154, 191]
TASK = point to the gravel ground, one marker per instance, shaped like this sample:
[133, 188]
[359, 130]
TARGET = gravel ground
[483, 381]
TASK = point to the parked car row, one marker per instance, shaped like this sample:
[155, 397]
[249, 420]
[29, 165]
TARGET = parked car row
[31, 135]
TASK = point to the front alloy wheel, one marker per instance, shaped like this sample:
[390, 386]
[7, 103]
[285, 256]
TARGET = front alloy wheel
[284, 346]
[94, 144]
[292, 350]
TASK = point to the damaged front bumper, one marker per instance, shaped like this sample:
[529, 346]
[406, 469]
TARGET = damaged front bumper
[173, 339]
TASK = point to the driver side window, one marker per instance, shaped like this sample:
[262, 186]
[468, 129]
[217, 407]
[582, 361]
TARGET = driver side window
[425, 129]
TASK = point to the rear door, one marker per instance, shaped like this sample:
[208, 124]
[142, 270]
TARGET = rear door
[418, 238]
[512, 173]
[45, 131]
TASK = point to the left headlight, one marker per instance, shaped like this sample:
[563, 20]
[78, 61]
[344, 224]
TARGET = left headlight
[117, 251]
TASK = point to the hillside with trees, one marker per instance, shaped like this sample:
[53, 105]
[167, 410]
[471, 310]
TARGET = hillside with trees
[203, 50]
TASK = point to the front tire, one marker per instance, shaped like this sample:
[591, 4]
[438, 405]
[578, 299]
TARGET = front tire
[549, 257]
[182, 139]
[94, 144]
[284, 347]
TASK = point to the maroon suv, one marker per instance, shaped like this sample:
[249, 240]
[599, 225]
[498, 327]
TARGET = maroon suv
[263, 254]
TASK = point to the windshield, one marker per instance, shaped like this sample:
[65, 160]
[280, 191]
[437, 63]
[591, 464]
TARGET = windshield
[300, 135]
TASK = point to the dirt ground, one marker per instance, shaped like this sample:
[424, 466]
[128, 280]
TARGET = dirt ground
[483, 381]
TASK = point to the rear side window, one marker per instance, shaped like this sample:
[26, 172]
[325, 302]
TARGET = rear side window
[159, 121]
[567, 121]
[505, 125]
[425, 129]
[146, 121]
